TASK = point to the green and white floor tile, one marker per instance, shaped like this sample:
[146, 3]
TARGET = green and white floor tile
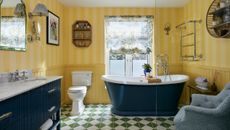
[99, 117]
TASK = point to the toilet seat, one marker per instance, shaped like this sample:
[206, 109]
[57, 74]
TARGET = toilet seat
[77, 89]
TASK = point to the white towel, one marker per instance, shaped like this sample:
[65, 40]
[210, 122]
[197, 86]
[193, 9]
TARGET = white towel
[202, 87]
[47, 125]
[204, 84]
[201, 80]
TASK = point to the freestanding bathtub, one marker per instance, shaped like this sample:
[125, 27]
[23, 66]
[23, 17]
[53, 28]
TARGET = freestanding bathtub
[134, 96]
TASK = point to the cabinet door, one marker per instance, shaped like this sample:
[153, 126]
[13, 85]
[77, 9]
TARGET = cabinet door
[52, 94]
[57, 95]
[25, 109]
[31, 110]
[35, 108]
[10, 114]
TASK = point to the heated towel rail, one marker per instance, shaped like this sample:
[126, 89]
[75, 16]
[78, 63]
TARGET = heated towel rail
[182, 27]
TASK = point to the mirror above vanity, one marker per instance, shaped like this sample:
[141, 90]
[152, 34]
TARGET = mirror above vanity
[13, 25]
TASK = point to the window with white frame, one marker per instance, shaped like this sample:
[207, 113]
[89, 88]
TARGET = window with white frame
[128, 44]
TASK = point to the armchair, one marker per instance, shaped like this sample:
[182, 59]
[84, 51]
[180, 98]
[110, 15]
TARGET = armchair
[206, 112]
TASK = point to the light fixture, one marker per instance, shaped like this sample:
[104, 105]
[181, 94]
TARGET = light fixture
[39, 10]
[19, 10]
[35, 32]
[167, 28]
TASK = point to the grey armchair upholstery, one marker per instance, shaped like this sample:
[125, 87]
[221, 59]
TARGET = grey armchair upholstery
[206, 112]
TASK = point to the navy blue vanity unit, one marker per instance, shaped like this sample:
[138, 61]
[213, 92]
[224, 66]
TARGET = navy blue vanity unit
[32, 108]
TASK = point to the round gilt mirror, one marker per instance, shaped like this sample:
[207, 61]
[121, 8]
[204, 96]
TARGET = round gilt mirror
[218, 19]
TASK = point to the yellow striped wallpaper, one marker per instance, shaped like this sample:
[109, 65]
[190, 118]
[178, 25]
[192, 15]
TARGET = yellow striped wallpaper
[93, 57]
[216, 51]
[94, 54]
[7, 11]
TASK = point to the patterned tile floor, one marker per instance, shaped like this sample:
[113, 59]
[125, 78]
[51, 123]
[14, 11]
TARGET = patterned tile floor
[99, 117]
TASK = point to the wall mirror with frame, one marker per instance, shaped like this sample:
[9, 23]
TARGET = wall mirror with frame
[12, 25]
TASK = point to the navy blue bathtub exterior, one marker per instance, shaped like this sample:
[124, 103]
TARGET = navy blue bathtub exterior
[144, 100]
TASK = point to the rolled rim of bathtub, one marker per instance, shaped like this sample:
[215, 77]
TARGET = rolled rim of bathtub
[166, 79]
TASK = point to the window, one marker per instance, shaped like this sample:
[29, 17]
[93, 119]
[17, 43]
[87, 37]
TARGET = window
[128, 44]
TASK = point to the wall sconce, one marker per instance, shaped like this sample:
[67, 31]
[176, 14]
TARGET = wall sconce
[167, 28]
[39, 10]
[19, 10]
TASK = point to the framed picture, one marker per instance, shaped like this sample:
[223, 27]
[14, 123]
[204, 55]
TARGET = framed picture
[53, 27]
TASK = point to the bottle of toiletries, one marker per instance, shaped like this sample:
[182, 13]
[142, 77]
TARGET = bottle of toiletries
[214, 87]
[227, 2]
[222, 3]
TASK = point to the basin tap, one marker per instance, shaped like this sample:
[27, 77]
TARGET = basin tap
[11, 78]
[17, 75]
[23, 77]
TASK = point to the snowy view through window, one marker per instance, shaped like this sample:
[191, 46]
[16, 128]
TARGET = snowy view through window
[128, 44]
[12, 33]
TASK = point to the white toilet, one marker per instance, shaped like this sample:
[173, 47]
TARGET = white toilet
[81, 80]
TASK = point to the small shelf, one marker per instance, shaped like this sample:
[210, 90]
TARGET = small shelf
[219, 11]
[82, 34]
[81, 29]
[222, 25]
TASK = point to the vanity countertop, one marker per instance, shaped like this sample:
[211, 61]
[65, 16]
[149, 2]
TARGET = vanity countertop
[8, 90]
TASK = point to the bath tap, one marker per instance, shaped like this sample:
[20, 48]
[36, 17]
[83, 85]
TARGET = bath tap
[162, 62]
[157, 69]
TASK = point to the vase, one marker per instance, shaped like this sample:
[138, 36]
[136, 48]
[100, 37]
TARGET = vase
[146, 71]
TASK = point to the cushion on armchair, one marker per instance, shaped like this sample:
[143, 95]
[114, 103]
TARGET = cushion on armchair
[203, 101]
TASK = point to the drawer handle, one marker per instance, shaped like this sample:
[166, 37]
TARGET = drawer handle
[6, 115]
[52, 108]
[51, 91]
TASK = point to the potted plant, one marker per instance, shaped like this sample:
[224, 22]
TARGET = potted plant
[147, 68]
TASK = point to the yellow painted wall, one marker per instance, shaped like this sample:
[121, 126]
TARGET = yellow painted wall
[169, 44]
[43, 59]
[215, 51]
[93, 57]
[7, 12]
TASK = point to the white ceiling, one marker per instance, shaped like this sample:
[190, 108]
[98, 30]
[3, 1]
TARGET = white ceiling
[125, 3]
